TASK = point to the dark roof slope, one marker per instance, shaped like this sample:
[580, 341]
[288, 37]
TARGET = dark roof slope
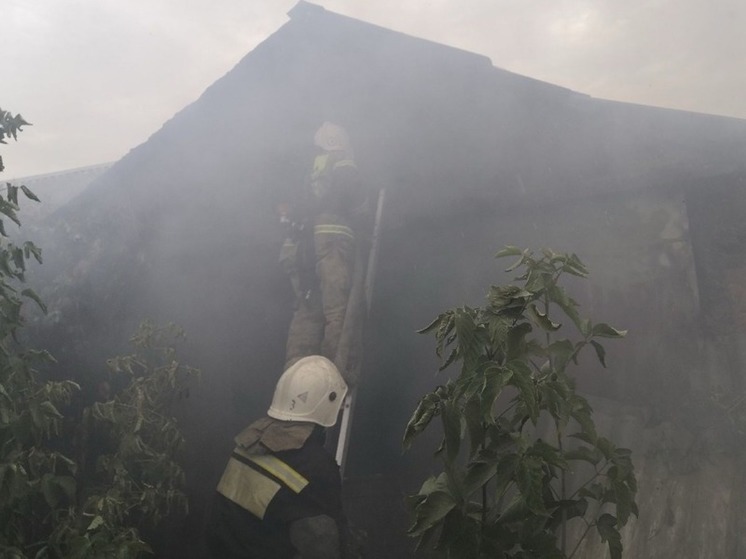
[418, 112]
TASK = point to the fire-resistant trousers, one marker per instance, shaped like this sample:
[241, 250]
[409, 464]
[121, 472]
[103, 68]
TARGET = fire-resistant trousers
[317, 323]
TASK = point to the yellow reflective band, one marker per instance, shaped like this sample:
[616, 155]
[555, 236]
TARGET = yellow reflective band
[281, 471]
[345, 163]
[320, 162]
[247, 488]
[333, 230]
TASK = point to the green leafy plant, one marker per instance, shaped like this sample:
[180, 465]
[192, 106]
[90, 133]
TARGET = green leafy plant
[514, 427]
[130, 441]
[10, 126]
[81, 485]
[36, 479]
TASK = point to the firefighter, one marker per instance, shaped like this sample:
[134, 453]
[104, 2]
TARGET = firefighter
[280, 494]
[319, 250]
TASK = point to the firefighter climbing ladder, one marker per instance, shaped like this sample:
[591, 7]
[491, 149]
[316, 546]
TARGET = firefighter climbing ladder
[358, 307]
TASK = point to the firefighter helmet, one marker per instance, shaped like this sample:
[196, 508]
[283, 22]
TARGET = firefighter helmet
[310, 390]
[332, 137]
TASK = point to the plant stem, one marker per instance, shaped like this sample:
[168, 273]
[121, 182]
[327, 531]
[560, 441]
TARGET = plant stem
[563, 492]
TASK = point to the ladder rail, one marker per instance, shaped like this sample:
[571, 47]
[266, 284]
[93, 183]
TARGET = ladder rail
[366, 283]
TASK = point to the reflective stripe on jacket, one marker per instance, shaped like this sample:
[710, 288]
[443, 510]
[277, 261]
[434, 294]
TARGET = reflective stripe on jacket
[333, 229]
[252, 480]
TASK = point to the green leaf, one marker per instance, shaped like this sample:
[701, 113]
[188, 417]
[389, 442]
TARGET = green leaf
[529, 477]
[429, 407]
[478, 474]
[573, 265]
[12, 194]
[452, 357]
[50, 410]
[30, 248]
[31, 294]
[600, 352]
[522, 379]
[432, 326]
[433, 484]
[605, 331]
[516, 340]
[495, 380]
[624, 498]
[506, 469]
[548, 454]
[467, 332]
[95, 523]
[430, 510]
[581, 411]
[474, 425]
[607, 529]
[555, 399]
[509, 300]
[8, 208]
[509, 250]
[542, 319]
[516, 511]
[29, 194]
[18, 260]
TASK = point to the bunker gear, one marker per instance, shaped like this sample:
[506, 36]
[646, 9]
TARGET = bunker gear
[335, 204]
[279, 496]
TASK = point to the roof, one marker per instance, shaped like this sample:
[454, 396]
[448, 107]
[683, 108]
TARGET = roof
[421, 113]
[58, 188]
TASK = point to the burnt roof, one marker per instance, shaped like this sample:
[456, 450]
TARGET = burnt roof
[419, 113]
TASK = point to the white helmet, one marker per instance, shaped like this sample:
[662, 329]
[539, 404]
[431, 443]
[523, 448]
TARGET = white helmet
[332, 137]
[310, 390]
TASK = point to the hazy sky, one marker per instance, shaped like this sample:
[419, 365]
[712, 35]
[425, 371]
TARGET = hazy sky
[98, 77]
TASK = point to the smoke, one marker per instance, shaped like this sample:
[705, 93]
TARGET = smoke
[472, 157]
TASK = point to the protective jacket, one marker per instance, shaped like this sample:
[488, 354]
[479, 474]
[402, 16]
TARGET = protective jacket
[336, 208]
[277, 480]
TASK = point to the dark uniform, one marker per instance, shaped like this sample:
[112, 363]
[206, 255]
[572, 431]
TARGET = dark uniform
[279, 496]
[334, 208]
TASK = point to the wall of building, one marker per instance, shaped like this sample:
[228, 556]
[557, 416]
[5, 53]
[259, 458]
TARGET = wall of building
[664, 264]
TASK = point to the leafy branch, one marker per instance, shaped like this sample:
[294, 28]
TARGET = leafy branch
[504, 490]
[81, 485]
[10, 126]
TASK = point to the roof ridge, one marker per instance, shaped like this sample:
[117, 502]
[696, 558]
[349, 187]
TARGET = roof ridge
[64, 172]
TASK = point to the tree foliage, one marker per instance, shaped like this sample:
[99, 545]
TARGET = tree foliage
[514, 427]
[10, 126]
[81, 485]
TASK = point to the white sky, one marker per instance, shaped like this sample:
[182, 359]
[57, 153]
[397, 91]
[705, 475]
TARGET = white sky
[98, 77]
